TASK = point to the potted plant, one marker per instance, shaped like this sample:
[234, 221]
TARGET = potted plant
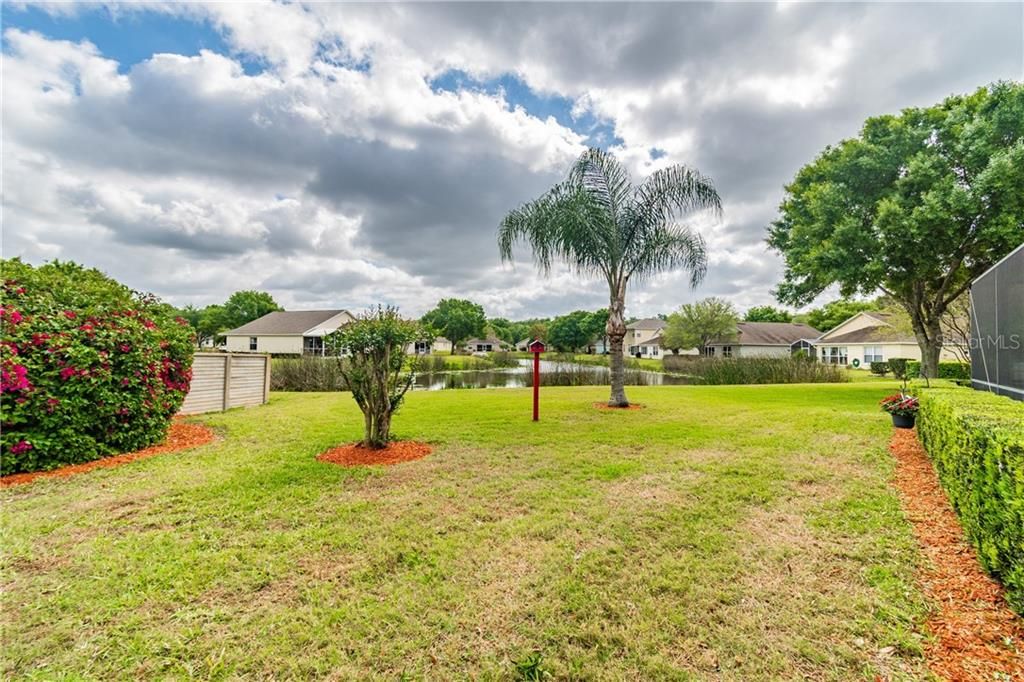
[903, 409]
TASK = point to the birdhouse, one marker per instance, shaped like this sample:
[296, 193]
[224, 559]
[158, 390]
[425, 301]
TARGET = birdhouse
[537, 346]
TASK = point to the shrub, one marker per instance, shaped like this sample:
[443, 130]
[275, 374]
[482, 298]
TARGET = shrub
[89, 367]
[956, 371]
[787, 370]
[976, 441]
[899, 369]
[880, 368]
[375, 367]
[306, 373]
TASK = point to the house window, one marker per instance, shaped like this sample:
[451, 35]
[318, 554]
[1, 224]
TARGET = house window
[632, 350]
[654, 351]
[313, 345]
[834, 355]
[726, 351]
[422, 348]
[872, 354]
[252, 342]
[709, 351]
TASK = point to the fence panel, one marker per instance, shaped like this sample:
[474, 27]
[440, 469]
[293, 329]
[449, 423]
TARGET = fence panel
[224, 380]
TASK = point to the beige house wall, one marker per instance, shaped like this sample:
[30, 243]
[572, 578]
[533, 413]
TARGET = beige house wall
[266, 343]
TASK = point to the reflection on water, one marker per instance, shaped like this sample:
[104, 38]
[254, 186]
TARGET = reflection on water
[552, 373]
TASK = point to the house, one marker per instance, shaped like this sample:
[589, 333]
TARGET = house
[523, 345]
[485, 345]
[293, 332]
[438, 345]
[762, 339]
[870, 337]
[643, 338]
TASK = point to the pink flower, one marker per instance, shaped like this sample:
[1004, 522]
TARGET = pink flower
[125, 381]
[20, 447]
[70, 314]
[14, 378]
[148, 324]
[67, 373]
[125, 348]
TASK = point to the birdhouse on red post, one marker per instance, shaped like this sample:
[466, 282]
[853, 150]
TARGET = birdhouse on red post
[536, 347]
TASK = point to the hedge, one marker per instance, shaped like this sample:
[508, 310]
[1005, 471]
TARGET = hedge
[880, 368]
[976, 441]
[89, 367]
[946, 370]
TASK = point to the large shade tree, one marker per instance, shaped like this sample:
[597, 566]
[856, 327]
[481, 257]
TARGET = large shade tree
[457, 320]
[916, 207]
[696, 325]
[601, 224]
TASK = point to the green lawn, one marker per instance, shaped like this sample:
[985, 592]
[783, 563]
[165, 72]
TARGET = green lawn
[722, 533]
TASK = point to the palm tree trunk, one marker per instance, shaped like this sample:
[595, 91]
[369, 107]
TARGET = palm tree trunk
[616, 329]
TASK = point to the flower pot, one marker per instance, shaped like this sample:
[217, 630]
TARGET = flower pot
[901, 421]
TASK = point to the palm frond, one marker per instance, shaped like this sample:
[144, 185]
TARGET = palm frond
[558, 224]
[668, 247]
[604, 177]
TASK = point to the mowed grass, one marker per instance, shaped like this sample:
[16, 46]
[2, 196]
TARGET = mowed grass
[721, 533]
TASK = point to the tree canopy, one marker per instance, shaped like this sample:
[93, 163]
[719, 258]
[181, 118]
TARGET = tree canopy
[694, 325]
[457, 320]
[240, 308]
[767, 313]
[916, 206]
[830, 315]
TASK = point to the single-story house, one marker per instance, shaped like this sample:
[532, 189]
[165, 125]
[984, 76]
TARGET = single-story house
[293, 332]
[761, 339]
[485, 345]
[438, 345]
[870, 337]
[523, 345]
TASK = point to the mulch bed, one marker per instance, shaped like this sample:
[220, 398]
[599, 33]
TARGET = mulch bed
[631, 406]
[977, 636]
[356, 455]
[181, 436]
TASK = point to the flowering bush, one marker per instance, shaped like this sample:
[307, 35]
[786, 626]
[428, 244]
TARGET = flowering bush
[900, 404]
[88, 367]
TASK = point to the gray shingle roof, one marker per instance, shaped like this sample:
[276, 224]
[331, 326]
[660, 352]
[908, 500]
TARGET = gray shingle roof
[769, 334]
[284, 322]
[882, 333]
[649, 324]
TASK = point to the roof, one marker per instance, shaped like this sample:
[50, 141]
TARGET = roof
[493, 341]
[883, 333]
[653, 341]
[285, 322]
[649, 324]
[769, 334]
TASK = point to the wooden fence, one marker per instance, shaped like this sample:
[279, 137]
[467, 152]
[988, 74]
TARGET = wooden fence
[224, 380]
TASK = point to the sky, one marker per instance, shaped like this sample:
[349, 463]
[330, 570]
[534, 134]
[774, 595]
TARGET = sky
[344, 155]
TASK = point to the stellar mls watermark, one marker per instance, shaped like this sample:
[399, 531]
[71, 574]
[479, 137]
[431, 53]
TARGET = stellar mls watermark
[995, 342]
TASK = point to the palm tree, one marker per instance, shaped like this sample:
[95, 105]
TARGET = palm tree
[598, 223]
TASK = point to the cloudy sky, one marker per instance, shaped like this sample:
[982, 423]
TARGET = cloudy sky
[343, 155]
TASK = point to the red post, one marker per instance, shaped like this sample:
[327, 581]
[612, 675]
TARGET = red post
[536, 347]
[536, 386]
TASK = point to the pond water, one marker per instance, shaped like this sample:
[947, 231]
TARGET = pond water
[552, 373]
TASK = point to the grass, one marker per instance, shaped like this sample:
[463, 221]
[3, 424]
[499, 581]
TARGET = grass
[722, 532]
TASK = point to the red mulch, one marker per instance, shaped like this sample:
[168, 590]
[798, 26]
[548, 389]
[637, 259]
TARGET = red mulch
[356, 455]
[181, 436]
[631, 406]
[977, 636]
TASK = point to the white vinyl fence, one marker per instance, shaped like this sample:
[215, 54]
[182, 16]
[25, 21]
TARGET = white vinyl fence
[224, 380]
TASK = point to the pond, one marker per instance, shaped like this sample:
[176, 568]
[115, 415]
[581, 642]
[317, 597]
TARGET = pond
[552, 373]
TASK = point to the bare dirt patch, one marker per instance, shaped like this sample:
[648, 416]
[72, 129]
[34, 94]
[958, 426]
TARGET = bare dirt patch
[181, 436]
[612, 408]
[357, 455]
[977, 636]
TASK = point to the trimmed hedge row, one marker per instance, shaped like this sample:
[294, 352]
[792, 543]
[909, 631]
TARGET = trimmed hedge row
[976, 441]
[947, 370]
[880, 368]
